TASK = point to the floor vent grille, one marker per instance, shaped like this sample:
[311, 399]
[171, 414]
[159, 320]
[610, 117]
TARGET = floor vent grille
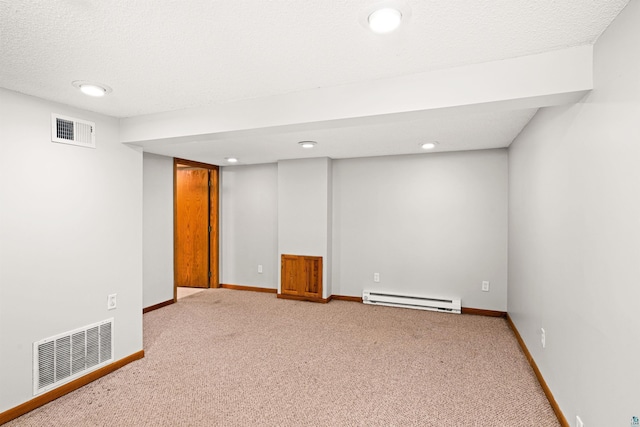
[67, 356]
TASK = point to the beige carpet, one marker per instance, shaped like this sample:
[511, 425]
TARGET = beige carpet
[232, 358]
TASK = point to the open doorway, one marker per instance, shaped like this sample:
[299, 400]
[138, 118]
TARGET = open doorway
[196, 230]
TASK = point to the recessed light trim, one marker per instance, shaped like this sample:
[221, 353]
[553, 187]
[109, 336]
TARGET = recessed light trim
[385, 17]
[385, 20]
[91, 88]
[429, 145]
[307, 144]
[231, 159]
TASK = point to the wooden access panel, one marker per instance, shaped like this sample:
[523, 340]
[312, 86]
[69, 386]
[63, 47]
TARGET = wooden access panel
[192, 228]
[312, 280]
[290, 275]
[301, 276]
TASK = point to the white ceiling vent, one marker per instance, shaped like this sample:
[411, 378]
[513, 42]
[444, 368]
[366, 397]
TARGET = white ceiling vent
[68, 130]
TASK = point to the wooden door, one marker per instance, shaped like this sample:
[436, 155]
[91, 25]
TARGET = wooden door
[192, 228]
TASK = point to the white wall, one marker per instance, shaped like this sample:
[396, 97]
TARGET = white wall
[70, 234]
[574, 240]
[432, 224]
[304, 220]
[249, 225]
[157, 229]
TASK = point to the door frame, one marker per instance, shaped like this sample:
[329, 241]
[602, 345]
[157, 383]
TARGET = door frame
[214, 221]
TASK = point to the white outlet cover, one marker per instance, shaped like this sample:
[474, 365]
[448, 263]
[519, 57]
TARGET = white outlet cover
[485, 286]
[376, 277]
[112, 301]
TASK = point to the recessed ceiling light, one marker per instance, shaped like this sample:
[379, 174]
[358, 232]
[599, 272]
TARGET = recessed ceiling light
[307, 144]
[231, 160]
[385, 20]
[429, 145]
[385, 16]
[91, 89]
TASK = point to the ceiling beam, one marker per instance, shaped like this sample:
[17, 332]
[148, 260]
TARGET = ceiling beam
[551, 78]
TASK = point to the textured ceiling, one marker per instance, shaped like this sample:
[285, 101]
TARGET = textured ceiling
[164, 55]
[169, 55]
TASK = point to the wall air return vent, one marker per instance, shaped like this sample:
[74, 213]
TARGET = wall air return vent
[65, 357]
[68, 130]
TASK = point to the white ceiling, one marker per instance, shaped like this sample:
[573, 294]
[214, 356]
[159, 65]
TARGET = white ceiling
[167, 55]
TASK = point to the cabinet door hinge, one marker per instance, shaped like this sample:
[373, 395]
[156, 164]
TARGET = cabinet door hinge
[209, 229]
[209, 274]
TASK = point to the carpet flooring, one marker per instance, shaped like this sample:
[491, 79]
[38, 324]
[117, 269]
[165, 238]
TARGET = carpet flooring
[231, 358]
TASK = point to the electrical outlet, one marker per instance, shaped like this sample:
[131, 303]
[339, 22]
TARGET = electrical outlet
[579, 422]
[112, 302]
[259, 268]
[376, 277]
[543, 338]
[485, 286]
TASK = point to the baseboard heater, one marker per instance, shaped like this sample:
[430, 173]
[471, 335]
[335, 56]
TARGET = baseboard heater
[410, 301]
